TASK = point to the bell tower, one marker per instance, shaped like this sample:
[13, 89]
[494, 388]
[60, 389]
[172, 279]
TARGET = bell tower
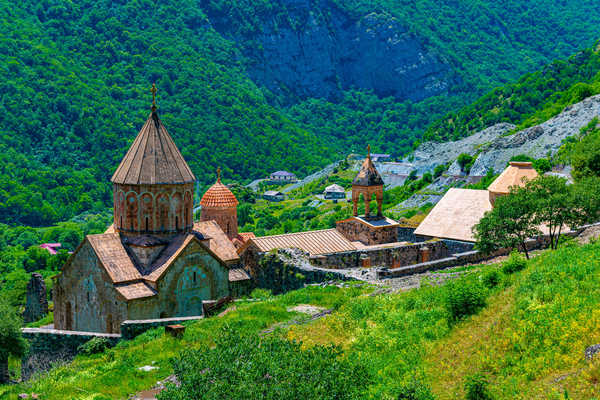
[367, 183]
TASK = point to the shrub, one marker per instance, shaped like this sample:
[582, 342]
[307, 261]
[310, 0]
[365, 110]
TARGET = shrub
[464, 299]
[415, 390]
[476, 388]
[261, 294]
[94, 346]
[249, 367]
[515, 262]
[491, 279]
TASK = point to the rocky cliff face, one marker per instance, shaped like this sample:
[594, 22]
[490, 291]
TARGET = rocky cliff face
[494, 149]
[315, 49]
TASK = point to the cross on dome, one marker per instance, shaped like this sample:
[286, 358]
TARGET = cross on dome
[153, 90]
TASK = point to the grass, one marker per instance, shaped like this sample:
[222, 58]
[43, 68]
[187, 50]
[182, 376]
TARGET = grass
[528, 340]
[115, 374]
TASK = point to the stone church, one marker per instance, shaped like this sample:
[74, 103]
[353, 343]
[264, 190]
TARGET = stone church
[154, 261]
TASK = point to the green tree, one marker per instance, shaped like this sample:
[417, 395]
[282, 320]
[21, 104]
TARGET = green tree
[554, 205]
[466, 162]
[36, 258]
[509, 224]
[249, 367]
[11, 340]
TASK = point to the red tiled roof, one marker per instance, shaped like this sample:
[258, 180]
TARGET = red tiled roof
[153, 158]
[218, 195]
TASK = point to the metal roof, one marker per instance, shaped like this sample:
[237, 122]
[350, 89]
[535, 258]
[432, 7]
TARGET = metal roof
[314, 242]
[454, 216]
[513, 175]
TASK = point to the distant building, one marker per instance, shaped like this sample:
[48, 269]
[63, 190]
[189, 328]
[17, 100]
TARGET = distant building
[273, 195]
[334, 192]
[283, 177]
[51, 247]
[375, 157]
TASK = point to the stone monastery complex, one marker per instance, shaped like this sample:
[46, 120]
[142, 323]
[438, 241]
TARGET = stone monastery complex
[155, 262]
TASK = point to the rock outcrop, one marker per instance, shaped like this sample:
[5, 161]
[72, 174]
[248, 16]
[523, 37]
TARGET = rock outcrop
[494, 147]
[36, 306]
[312, 48]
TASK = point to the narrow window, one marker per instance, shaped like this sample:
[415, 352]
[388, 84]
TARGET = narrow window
[176, 222]
[146, 224]
[194, 276]
[88, 296]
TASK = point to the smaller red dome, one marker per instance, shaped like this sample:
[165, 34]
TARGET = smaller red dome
[218, 195]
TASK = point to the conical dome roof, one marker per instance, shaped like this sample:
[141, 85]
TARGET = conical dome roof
[368, 175]
[219, 195]
[153, 158]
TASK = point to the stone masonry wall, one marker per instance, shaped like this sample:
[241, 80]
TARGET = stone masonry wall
[289, 269]
[51, 346]
[36, 306]
[354, 230]
[390, 257]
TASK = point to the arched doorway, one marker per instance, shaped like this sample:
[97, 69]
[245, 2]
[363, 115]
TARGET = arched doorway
[68, 317]
[109, 323]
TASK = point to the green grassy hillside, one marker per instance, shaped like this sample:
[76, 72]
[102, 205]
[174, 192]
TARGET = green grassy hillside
[526, 336]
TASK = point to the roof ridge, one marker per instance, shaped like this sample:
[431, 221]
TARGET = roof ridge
[153, 158]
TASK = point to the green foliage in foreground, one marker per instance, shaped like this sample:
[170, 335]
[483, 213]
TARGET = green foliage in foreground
[247, 367]
[533, 329]
[11, 341]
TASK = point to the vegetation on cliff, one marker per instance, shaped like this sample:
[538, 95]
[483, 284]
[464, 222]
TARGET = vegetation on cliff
[75, 80]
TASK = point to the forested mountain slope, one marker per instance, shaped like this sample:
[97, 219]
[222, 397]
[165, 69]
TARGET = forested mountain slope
[76, 77]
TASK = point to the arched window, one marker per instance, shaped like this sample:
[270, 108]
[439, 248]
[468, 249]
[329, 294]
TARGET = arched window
[132, 211]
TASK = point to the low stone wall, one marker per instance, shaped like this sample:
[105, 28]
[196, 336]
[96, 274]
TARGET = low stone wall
[390, 257]
[456, 246]
[462, 258]
[406, 234]
[133, 328]
[290, 269]
[49, 347]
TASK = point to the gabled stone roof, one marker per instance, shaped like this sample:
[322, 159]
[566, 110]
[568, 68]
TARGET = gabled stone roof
[218, 242]
[368, 175]
[153, 158]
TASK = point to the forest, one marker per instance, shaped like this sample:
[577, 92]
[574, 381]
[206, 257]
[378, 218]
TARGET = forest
[76, 78]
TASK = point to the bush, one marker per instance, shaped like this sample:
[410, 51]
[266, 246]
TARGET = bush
[515, 262]
[464, 299]
[261, 294]
[249, 367]
[415, 390]
[94, 346]
[476, 388]
[491, 279]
